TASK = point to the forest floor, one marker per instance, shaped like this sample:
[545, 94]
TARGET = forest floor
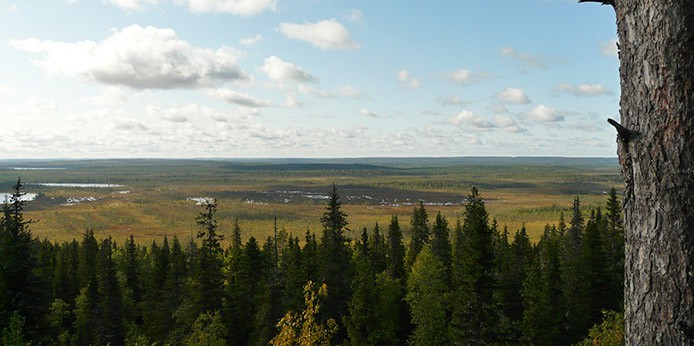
[153, 198]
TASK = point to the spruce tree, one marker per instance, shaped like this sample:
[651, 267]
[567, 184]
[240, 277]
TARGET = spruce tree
[361, 321]
[395, 250]
[441, 244]
[427, 297]
[334, 255]
[573, 270]
[419, 229]
[109, 309]
[475, 316]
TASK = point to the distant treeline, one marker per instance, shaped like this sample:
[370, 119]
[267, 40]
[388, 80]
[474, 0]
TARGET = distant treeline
[470, 282]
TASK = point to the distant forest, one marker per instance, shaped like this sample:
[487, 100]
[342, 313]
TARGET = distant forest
[427, 281]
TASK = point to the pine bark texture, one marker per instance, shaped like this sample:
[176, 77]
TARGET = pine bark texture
[656, 39]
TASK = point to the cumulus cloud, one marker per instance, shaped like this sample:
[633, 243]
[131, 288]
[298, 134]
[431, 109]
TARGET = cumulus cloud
[137, 57]
[350, 91]
[130, 125]
[111, 96]
[407, 81]
[545, 114]
[291, 102]
[280, 70]
[584, 89]
[311, 91]
[236, 7]
[474, 140]
[6, 6]
[507, 124]
[525, 58]
[355, 16]
[249, 41]
[326, 34]
[5, 90]
[498, 109]
[470, 120]
[454, 100]
[174, 115]
[130, 5]
[513, 95]
[368, 113]
[240, 99]
[610, 48]
[464, 76]
[41, 105]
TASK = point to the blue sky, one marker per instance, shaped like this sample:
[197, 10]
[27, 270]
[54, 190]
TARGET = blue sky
[313, 78]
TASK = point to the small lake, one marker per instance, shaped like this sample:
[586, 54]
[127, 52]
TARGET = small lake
[85, 185]
[26, 198]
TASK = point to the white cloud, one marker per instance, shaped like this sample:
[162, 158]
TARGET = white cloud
[280, 70]
[368, 113]
[5, 90]
[498, 109]
[240, 99]
[6, 6]
[584, 89]
[174, 115]
[474, 140]
[454, 100]
[525, 58]
[249, 41]
[464, 76]
[407, 81]
[513, 95]
[610, 48]
[311, 91]
[129, 125]
[350, 91]
[137, 57]
[41, 105]
[111, 96]
[355, 16]
[293, 103]
[128, 5]
[545, 114]
[326, 34]
[237, 7]
[471, 120]
[507, 124]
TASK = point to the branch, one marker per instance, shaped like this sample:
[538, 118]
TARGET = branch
[604, 2]
[622, 132]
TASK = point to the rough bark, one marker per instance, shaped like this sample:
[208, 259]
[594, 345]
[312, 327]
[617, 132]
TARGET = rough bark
[657, 74]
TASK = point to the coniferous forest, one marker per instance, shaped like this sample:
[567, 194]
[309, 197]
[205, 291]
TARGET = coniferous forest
[423, 281]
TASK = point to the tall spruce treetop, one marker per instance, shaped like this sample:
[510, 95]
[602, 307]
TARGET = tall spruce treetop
[475, 317]
[334, 256]
[334, 219]
[441, 244]
[420, 234]
[396, 250]
[210, 238]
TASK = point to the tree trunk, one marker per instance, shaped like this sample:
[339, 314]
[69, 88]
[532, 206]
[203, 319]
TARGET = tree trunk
[657, 105]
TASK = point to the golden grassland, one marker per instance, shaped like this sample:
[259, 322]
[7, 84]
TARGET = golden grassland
[156, 204]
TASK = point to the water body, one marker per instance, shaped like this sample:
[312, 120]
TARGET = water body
[26, 198]
[76, 185]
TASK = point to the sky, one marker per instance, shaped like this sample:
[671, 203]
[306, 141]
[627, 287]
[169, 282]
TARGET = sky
[306, 78]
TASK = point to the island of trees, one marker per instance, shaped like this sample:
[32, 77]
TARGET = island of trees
[429, 281]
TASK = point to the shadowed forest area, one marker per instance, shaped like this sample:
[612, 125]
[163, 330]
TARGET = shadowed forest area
[463, 281]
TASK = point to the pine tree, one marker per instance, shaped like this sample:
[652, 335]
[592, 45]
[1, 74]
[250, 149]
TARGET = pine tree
[597, 294]
[615, 247]
[379, 250]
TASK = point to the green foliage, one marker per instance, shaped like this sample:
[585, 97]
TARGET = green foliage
[208, 329]
[610, 332]
[427, 296]
[419, 231]
[395, 250]
[304, 328]
[13, 334]
[475, 315]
